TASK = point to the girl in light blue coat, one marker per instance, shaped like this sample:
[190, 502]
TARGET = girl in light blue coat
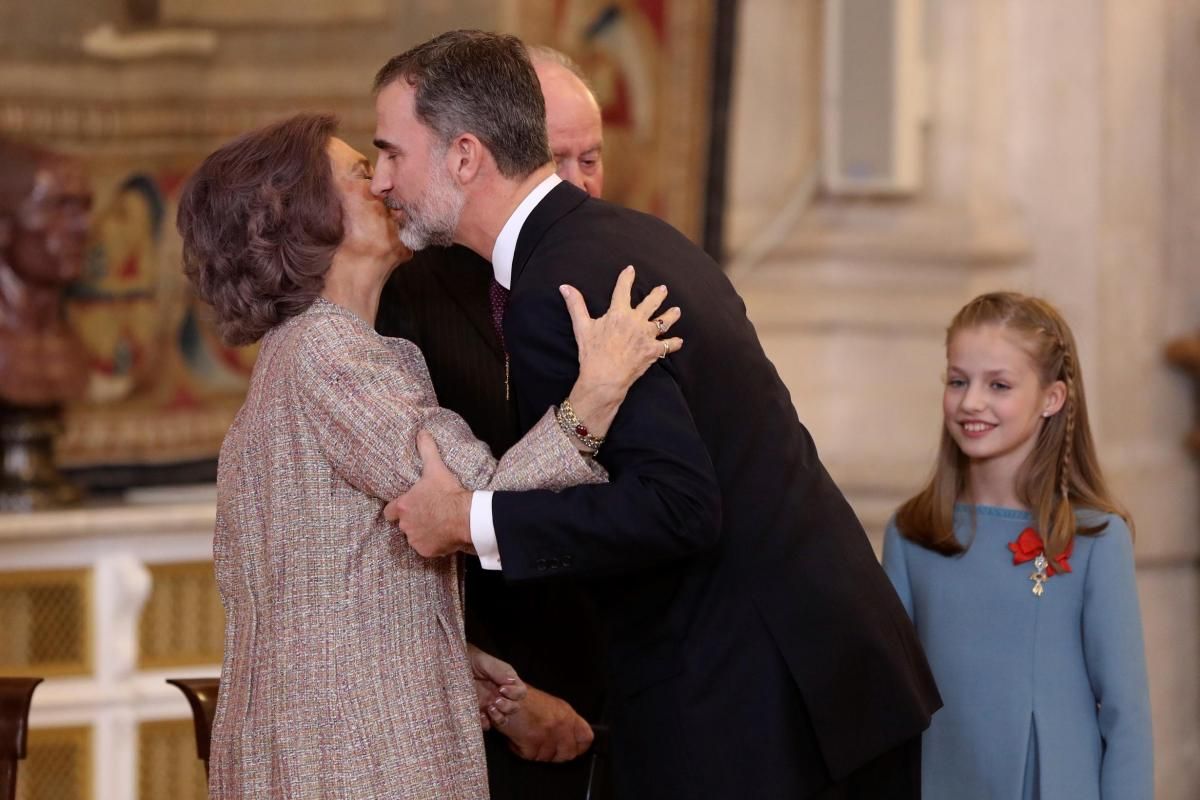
[1016, 566]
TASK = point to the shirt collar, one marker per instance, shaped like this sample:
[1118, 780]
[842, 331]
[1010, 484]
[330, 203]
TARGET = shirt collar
[506, 242]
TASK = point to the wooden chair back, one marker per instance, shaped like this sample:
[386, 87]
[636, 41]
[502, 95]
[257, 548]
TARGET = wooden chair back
[201, 694]
[15, 696]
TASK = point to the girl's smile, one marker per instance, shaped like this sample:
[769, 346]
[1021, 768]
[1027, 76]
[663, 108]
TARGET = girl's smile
[975, 429]
[994, 402]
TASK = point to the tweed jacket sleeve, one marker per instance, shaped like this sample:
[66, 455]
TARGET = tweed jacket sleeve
[367, 397]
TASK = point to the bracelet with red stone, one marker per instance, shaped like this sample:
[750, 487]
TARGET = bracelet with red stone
[572, 425]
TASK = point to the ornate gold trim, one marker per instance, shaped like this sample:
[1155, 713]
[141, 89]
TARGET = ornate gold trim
[81, 580]
[174, 741]
[77, 737]
[205, 642]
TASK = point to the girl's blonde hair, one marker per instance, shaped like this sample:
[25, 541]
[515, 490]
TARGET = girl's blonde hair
[1061, 474]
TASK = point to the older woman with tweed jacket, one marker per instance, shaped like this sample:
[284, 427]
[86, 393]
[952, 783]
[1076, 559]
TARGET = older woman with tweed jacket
[346, 674]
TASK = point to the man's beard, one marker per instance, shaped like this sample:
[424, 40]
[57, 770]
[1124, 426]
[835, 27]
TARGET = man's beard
[432, 220]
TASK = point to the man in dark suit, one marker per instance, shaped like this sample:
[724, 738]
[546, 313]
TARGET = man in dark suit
[757, 650]
[547, 630]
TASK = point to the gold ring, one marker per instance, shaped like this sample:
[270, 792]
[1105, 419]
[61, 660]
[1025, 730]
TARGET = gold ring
[666, 350]
[662, 326]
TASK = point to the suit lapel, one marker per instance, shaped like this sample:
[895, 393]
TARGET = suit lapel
[562, 200]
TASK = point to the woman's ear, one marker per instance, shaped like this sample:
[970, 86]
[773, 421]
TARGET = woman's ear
[1054, 399]
[464, 158]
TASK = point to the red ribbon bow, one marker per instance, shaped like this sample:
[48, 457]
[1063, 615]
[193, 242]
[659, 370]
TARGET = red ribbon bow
[1029, 546]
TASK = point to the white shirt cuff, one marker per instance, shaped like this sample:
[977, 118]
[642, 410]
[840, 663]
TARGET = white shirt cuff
[483, 532]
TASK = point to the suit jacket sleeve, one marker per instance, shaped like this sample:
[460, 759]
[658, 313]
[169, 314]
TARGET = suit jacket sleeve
[896, 567]
[366, 400]
[663, 501]
[1116, 664]
[396, 317]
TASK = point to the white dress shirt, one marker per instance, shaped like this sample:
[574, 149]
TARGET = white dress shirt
[483, 531]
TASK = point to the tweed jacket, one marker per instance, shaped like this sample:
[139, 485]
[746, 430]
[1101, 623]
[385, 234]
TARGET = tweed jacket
[345, 671]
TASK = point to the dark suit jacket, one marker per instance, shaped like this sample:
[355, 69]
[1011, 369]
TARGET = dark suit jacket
[548, 631]
[757, 648]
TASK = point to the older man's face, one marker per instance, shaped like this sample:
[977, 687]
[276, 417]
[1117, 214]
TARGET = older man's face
[573, 123]
[411, 175]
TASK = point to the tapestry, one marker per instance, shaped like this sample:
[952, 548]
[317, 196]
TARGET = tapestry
[162, 386]
[649, 63]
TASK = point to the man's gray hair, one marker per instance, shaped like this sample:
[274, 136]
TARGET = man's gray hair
[542, 54]
[479, 83]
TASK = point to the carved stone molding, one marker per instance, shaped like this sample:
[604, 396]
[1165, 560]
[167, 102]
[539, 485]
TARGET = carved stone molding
[911, 231]
[267, 12]
[85, 121]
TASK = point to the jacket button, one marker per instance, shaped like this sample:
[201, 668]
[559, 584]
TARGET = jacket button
[566, 561]
[555, 563]
[541, 564]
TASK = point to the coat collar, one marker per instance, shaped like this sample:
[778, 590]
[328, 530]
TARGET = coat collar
[562, 200]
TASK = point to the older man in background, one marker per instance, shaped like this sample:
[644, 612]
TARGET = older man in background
[442, 300]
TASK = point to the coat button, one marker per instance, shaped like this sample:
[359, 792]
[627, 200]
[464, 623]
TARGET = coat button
[555, 563]
[541, 564]
[566, 561]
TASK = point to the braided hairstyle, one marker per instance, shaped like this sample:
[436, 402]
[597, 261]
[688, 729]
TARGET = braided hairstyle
[1064, 516]
[1060, 475]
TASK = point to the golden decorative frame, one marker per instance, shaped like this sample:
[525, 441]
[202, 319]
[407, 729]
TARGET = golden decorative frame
[79, 739]
[81, 580]
[205, 615]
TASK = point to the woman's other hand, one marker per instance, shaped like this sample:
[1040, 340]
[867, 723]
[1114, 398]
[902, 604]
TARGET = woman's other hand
[617, 348]
[498, 688]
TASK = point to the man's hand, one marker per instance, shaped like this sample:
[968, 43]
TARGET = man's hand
[545, 728]
[435, 514]
[497, 687]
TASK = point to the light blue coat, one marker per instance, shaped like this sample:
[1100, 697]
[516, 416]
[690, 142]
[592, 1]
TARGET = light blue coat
[1045, 697]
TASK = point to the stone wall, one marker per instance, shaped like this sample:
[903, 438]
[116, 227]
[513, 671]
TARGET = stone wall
[1062, 159]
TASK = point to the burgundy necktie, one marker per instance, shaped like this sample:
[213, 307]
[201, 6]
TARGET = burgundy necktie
[498, 297]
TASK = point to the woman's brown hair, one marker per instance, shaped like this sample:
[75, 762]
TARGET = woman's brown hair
[1061, 474]
[260, 220]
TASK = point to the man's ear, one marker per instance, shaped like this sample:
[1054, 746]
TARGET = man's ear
[465, 157]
